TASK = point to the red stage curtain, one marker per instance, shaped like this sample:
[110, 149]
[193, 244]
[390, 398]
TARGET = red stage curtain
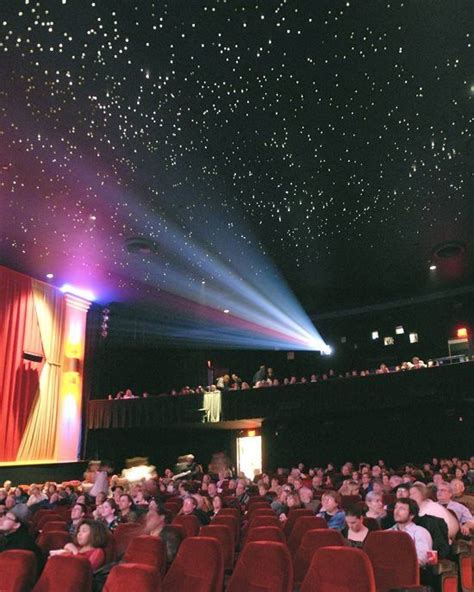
[19, 378]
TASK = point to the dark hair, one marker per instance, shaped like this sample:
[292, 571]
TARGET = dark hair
[356, 511]
[128, 496]
[162, 511]
[99, 534]
[412, 505]
[83, 507]
[112, 503]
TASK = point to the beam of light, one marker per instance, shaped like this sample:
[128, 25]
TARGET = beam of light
[80, 292]
[202, 272]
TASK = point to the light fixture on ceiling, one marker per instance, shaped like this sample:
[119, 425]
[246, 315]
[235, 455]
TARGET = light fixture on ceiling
[50, 276]
[375, 335]
[399, 330]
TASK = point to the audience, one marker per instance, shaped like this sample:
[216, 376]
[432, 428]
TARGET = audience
[265, 377]
[430, 502]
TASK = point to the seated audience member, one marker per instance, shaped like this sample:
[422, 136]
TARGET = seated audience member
[128, 394]
[211, 490]
[68, 496]
[349, 487]
[292, 501]
[406, 511]
[20, 496]
[37, 498]
[436, 526]
[377, 511]
[355, 532]
[330, 511]
[245, 386]
[78, 513]
[365, 484]
[307, 499]
[217, 505]
[156, 525]
[458, 487]
[241, 495]
[416, 363]
[90, 540]
[14, 531]
[126, 512]
[108, 514]
[444, 494]
[190, 506]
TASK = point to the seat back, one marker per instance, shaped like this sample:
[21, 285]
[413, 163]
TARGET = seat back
[226, 537]
[339, 569]
[349, 500]
[394, 560]
[198, 566]
[263, 565]
[265, 533]
[260, 512]
[301, 526]
[231, 512]
[133, 576]
[231, 521]
[147, 550]
[312, 541]
[65, 573]
[190, 524]
[265, 521]
[123, 534]
[47, 517]
[17, 570]
[293, 516]
[57, 525]
[54, 539]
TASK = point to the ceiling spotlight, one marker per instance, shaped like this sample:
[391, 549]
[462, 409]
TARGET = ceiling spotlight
[50, 276]
[432, 267]
[226, 311]
[399, 330]
[203, 282]
[375, 335]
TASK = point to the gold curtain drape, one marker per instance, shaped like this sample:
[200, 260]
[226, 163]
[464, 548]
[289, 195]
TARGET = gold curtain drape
[39, 438]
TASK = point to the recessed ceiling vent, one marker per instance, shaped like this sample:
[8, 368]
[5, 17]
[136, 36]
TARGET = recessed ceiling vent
[139, 245]
[449, 250]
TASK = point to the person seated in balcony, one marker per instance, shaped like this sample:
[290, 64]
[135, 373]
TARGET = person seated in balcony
[90, 540]
[355, 531]
[245, 386]
[377, 511]
[406, 511]
[330, 510]
[128, 394]
[382, 369]
[417, 364]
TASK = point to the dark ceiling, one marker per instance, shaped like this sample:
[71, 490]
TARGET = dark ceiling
[335, 138]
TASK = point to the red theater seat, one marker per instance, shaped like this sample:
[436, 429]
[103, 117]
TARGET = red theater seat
[231, 521]
[263, 566]
[260, 512]
[133, 577]
[48, 517]
[231, 512]
[225, 535]
[190, 523]
[65, 573]
[293, 516]
[147, 550]
[198, 567]
[265, 533]
[339, 569]
[265, 521]
[54, 539]
[123, 534]
[312, 541]
[393, 557]
[302, 525]
[54, 525]
[17, 571]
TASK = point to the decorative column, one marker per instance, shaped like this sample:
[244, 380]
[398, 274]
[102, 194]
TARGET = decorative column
[70, 400]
